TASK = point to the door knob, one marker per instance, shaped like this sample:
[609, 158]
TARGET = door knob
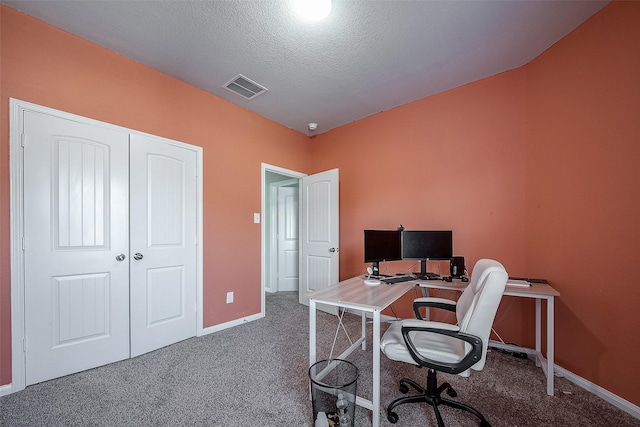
[120, 257]
[137, 256]
[332, 249]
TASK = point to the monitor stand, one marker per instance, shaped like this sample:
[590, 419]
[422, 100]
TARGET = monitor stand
[424, 274]
[375, 266]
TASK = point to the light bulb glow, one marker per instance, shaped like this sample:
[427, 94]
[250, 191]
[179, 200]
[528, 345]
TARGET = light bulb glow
[313, 10]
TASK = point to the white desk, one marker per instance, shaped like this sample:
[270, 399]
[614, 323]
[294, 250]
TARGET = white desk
[355, 295]
[539, 292]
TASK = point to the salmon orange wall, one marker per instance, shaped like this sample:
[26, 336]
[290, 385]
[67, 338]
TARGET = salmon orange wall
[536, 167]
[583, 193]
[451, 161]
[47, 66]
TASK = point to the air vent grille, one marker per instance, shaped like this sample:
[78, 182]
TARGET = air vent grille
[244, 87]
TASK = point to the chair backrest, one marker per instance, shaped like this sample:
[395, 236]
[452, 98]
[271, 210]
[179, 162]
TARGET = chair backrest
[478, 304]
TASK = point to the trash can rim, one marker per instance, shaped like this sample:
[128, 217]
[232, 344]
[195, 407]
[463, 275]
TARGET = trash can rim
[336, 386]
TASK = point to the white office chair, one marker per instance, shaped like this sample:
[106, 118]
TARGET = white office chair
[453, 349]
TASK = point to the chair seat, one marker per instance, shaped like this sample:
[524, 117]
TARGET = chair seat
[440, 348]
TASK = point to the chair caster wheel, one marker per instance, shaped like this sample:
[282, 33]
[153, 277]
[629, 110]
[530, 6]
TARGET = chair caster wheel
[451, 392]
[392, 417]
[403, 388]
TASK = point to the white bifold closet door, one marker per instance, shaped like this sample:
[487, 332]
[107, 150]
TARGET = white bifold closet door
[163, 244]
[110, 245]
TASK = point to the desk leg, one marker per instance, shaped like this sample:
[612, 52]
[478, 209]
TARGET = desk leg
[538, 331]
[427, 312]
[376, 369]
[550, 345]
[312, 332]
[312, 337]
[363, 333]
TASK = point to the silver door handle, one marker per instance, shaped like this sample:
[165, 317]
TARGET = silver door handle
[120, 257]
[332, 250]
[137, 256]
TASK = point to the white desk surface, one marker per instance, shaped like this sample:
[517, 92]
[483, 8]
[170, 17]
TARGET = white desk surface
[536, 290]
[354, 293]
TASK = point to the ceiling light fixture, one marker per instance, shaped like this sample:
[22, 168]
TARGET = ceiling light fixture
[313, 10]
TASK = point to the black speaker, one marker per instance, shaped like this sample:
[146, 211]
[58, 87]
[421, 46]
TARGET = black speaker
[456, 266]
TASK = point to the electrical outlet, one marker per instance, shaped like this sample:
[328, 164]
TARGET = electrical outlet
[229, 297]
[256, 218]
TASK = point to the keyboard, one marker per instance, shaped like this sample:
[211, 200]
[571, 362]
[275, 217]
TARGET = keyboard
[397, 279]
[429, 276]
[530, 280]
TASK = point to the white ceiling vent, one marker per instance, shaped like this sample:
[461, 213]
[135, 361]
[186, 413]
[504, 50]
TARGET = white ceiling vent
[244, 87]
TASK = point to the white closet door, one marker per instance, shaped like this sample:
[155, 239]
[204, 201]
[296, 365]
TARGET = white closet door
[76, 217]
[163, 244]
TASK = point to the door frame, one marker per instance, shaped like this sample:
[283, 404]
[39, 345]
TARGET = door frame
[266, 245]
[16, 165]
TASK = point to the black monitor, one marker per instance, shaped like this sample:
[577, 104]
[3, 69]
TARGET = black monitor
[382, 245]
[426, 245]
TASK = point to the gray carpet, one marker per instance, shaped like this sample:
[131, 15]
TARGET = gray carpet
[256, 374]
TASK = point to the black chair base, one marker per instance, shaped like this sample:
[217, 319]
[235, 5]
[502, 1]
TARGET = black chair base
[432, 396]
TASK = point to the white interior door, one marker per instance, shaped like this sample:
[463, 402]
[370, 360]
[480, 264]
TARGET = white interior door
[319, 232]
[288, 228]
[163, 244]
[76, 217]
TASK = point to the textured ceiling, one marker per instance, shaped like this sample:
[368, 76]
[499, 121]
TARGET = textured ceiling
[366, 57]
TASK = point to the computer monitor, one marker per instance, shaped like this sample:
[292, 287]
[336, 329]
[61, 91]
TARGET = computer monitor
[382, 245]
[426, 245]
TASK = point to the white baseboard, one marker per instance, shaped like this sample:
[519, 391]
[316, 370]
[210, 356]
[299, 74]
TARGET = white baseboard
[6, 389]
[227, 325]
[609, 397]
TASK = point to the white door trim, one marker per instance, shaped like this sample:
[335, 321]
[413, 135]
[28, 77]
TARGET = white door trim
[263, 208]
[16, 117]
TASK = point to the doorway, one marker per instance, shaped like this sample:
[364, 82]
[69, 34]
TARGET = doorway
[281, 213]
[318, 225]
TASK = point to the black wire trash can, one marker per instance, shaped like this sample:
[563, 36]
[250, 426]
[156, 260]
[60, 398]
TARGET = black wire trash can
[333, 392]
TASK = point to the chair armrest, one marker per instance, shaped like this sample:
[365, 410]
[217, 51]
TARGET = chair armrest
[471, 358]
[416, 323]
[442, 303]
